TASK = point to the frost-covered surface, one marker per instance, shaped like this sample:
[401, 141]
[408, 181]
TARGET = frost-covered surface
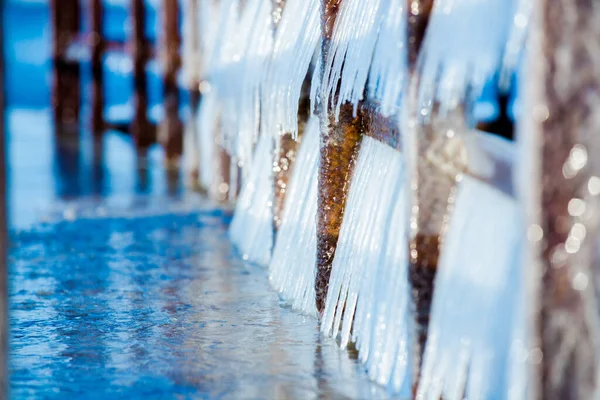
[367, 300]
[470, 330]
[251, 229]
[292, 268]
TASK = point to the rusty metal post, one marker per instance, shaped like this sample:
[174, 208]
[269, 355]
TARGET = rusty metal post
[66, 79]
[98, 45]
[171, 130]
[563, 200]
[340, 142]
[141, 129]
[429, 194]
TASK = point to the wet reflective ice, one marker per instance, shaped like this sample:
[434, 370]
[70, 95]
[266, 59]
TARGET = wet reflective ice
[160, 306]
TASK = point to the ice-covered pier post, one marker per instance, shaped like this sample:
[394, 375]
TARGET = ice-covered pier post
[560, 189]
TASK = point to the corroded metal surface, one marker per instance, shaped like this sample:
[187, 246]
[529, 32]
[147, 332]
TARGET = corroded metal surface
[98, 45]
[171, 128]
[144, 133]
[66, 87]
[381, 128]
[340, 142]
[563, 201]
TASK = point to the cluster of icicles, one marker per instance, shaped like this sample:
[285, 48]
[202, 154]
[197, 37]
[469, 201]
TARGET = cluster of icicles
[253, 62]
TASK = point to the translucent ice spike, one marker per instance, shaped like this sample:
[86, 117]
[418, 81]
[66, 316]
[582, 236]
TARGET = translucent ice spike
[297, 36]
[463, 49]
[251, 229]
[516, 41]
[207, 132]
[384, 349]
[352, 44]
[292, 268]
[470, 327]
[368, 291]
[389, 65]
[208, 19]
[254, 62]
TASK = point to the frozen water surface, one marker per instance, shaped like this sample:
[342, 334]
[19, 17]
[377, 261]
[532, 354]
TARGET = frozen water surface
[159, 306]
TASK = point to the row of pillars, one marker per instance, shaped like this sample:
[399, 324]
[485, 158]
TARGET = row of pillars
[67, 35]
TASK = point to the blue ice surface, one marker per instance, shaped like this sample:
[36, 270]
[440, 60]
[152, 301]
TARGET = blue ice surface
[159, 307]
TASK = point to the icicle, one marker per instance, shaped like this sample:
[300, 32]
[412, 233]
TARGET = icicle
[292, 268]
[251, 230]
[516, 41]
[351, 49]
[388, 68]
[258, 48]
[207, 131]
[463, 49]
[367, 285]
[295, 42]
[559, 185]
[191, 60]
[470, 326]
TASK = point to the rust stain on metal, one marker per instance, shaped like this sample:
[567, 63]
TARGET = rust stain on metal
[171, 129]
[98, 45]
[340, 142]
[143, 132]
[384, 129]
[66, 82]
[564, 227]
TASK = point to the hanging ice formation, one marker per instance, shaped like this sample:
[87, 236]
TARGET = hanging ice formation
[368, 272]
[295, 44]
[368, 279]
[292, 268]
[251, 229]
[443, 188]
[472, 314]
[463, 49]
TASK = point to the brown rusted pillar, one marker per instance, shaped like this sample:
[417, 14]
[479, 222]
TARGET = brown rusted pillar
[98, 45]
[431, 190]
[563, 198]
[141, 129]
[66, 82]
[171, 130]
[340, 142]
